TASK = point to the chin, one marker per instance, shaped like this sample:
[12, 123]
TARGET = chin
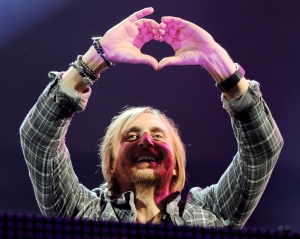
[145, 175]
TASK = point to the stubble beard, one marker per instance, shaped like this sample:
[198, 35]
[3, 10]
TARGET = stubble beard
[158, 182]
[143, 177]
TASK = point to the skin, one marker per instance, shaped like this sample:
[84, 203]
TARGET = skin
[192, 45]
[121, 44]
[147, 136]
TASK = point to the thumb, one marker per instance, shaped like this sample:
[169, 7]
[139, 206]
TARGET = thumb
[148, 60]
[168, 61]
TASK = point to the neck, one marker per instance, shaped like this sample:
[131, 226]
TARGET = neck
[150, 203]
[150, 207]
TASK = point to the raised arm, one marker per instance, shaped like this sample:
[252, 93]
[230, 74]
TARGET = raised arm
[194, 46]
[121, 44]
[43, 131]
[238, 191]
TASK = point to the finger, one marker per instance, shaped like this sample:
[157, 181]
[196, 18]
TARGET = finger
[148, 27]
[158, 32]
[167, 61]
[146, 59]
[174, 24]
[147, 37]
[172, 31]
[153, 29]
[150, 24]
[158, 38]
[140, 14]
[162, 25]
[143, 38]
[169, 38]
[173, 20]
[147, 23]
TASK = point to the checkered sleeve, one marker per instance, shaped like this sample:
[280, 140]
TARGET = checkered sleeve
[259, 141]
[43, 131]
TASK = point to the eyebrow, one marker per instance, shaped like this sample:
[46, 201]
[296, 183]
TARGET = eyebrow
[152, 129]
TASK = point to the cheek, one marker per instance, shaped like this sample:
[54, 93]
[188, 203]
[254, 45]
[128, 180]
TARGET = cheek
[167, 154]
[170, 161]
[166, 150]
[121, 152]
[125, 148]
[169, 165]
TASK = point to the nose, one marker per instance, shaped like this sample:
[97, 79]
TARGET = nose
[145, 140]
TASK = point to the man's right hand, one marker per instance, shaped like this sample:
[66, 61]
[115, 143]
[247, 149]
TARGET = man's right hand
[123, 42]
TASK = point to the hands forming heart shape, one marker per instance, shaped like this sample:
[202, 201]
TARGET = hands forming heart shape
[192, 44]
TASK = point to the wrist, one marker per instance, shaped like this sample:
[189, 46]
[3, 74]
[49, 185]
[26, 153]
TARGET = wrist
[98, 47]
[85, 71]
[237, 90]
[73, 80]
[94, 61]
[233, 80]
[219, 64]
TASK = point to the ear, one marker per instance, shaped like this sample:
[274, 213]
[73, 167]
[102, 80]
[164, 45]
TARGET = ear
[174, 172]
[112, 166]
[113, 173]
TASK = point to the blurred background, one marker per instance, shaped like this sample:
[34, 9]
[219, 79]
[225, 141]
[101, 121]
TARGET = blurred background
[262, 36]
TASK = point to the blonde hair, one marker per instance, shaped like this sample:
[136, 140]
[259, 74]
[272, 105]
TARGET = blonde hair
[114, 131]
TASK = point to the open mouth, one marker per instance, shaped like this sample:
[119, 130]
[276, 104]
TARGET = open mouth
[145, 159]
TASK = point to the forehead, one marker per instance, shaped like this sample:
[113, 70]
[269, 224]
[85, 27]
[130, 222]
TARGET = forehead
[147, 121]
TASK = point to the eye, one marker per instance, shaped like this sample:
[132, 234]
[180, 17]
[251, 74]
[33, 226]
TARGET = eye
[131, 136]
[158, 136]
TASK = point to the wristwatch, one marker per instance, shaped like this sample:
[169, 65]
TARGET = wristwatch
[231, 82]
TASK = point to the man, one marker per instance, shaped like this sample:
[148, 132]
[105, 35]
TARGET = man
[143, 158]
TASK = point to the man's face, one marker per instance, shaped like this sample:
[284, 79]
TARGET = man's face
[145, 153]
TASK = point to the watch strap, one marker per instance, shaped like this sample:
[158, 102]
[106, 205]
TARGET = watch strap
[231, 82]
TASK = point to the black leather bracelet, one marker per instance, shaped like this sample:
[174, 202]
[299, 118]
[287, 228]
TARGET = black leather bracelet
[231, 82]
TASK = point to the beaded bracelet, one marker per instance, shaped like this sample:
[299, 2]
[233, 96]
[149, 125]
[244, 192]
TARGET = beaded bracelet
[100, 51]
[89, 76]
[88, 70]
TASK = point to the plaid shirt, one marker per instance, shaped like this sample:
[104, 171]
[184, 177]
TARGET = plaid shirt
[227, 203]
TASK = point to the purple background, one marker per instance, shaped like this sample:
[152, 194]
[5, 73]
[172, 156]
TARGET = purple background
[263, 36]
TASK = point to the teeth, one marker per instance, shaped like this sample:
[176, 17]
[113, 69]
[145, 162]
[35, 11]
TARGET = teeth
[145, 158]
